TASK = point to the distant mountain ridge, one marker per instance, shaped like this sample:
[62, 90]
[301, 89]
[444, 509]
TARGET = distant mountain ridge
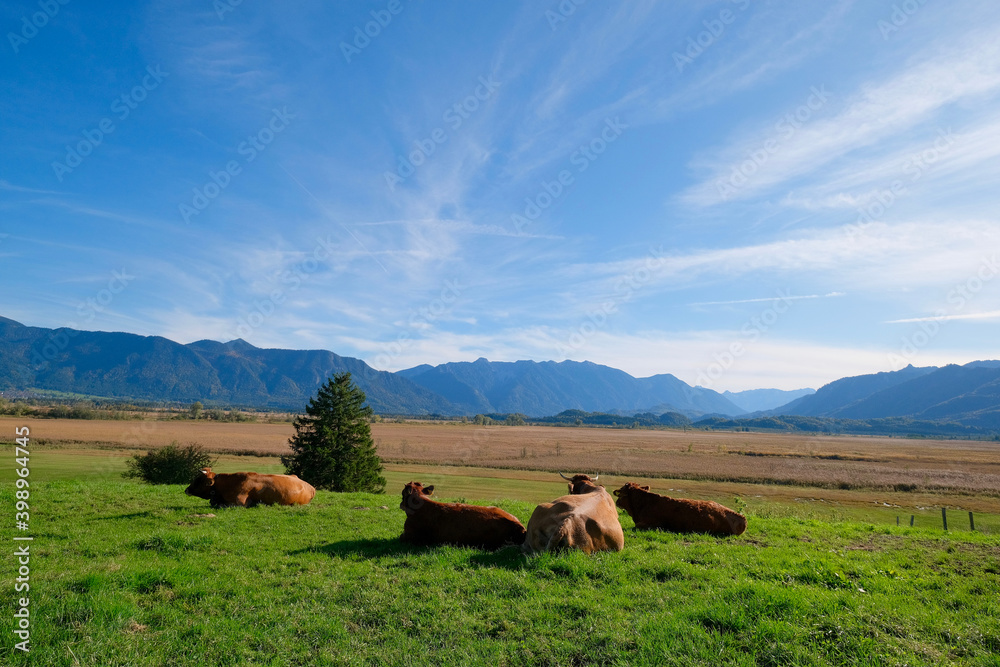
[539, 389]
[968, 395]
[845, 391]
[129, 366]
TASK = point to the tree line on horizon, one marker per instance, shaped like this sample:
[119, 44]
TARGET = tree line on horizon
[891, 426]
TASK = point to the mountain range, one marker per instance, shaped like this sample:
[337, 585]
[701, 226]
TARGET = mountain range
[968, 395]
[132, 367]
[129, 366]
[537, 389]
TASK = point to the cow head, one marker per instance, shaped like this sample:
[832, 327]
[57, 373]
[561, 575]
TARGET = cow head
[415, 495]
[202, 485]
[582, 483]
[626, 494]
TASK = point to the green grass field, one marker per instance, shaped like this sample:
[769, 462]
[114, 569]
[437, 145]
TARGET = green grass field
[128, 574]
[494, 485]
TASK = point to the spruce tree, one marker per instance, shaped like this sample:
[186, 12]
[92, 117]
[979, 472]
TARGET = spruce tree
[332, 448]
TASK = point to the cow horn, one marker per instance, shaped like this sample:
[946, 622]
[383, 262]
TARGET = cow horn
[565, 477]
[594, 478]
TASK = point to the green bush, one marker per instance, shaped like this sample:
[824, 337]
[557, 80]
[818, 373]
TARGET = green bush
[169, 465]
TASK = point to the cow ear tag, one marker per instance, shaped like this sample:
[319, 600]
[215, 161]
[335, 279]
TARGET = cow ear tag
[429, 489]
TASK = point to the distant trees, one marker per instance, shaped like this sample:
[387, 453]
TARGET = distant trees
[76, 410]
[512, 419]
[83, 410]
[195, 410]
[219, 415]
[332, 447]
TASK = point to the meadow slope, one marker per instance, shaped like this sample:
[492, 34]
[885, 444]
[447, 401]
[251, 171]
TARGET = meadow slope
[821, 461]
[129, 574]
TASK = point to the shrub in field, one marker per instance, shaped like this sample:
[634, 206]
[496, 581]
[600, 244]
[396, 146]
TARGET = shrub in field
[333, 447]
[169, 465]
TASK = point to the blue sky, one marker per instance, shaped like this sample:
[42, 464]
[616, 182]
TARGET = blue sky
[742, 193]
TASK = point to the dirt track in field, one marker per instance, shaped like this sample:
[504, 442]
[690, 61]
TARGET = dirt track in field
[823, 461]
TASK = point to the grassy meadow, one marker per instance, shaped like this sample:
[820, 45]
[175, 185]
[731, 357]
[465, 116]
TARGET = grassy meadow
[830, 462]
[75, 462]
[123, 573]
[126, 574]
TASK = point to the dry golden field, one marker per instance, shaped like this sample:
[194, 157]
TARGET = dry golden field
[882, 480]
[829, 462]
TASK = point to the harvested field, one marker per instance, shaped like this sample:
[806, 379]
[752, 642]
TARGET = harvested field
[215, 436]
[823, 461]
[830, 462]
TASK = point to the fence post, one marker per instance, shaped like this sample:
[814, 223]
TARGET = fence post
[972, 522]
[944, 518]
[897, 519]
[911, 521]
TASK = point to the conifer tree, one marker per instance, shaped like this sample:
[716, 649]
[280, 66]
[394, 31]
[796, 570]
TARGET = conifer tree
[332, 447]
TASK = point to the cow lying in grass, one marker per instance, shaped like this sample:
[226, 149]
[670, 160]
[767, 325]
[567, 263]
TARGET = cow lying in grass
[431, 522]
[586, 519]
[246, 489]
[651, 511]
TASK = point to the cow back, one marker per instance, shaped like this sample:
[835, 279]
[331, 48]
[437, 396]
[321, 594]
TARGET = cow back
[652, 511]
[282, 490]
[247, 489]
[430, 522]
[588, 522]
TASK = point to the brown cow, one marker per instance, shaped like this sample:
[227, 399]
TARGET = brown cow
[431, 522]
[246, 489]
[651, 511]
[586, 520]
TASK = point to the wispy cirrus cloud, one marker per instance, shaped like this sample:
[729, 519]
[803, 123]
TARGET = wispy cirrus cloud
[930, 158]
[876, 113]
[783, 297]
[876, 257]
[987, 315]
[11, 187]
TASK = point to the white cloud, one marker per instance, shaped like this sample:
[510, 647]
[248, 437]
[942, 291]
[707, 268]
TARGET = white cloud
[988, 315]
[874, 115]
[868, 258]
[924, 162]
[7, 185]
[783, 297]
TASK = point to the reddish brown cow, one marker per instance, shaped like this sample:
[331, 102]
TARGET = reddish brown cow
[651, 511]
[586, 519]
[246, 489]
[431, 522]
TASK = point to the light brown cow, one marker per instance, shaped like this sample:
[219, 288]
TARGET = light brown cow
[246, 489]
[431, 522]
[586, 519]
[651, 511]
